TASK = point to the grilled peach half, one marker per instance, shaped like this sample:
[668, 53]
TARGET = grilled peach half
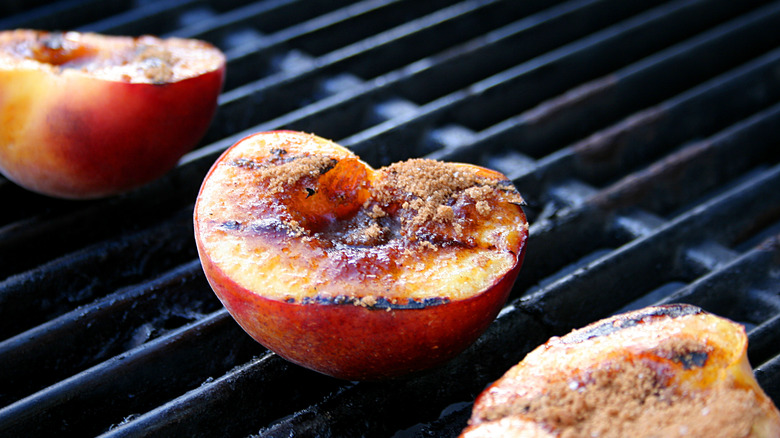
[670, 370]
[86, 115]
[355, 272]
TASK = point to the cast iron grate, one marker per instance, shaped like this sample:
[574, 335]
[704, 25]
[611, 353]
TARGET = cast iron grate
[643, 135]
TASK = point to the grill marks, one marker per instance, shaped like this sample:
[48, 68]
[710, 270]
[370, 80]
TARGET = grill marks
[379, 303]
[417, 201]
[287, 171]
[328, 226]
[690, 359]
[662, 369]
[627, 399]
[633, 319]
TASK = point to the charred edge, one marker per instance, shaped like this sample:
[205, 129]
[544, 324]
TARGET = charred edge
[53, 40]
[377, 304]
[328, 167]
[230, 225]
[692, 359]
[621, 322]
[245, 163]
[508, 186]
[504, 185]
[280, 156]
[269, 227]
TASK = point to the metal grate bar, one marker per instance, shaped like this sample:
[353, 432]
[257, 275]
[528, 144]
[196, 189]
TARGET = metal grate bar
[48, 234]
[146, 20]
[263, 18]
[258, 392]
[63, 14]
[579, 111]
[768, 377]
[245, 105]
[674, 181]
[89, 402]
[602, 155]
[539, 79]
[62, 284]
[118, 322]
[266, 55]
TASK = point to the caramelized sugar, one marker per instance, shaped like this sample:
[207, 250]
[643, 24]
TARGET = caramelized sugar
[145, 59]
[55, 49]
[356, 232]
[658, 375]
[415, 203]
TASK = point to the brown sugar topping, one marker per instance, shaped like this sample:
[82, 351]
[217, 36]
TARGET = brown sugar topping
[427, 191]
[144, 59]
[282, 174]
[334, 227]
[158, 63]
[667, 387]
[433, 187]
[636, 399]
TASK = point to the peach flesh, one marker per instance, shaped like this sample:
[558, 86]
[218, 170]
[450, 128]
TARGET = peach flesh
[367, 324]
[83, 119]
[650, 372]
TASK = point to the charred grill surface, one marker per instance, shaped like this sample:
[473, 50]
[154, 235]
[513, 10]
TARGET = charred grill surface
[643, 136]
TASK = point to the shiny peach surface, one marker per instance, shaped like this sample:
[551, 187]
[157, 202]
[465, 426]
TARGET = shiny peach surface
[88, 115]
[660, 371]
[343, 268]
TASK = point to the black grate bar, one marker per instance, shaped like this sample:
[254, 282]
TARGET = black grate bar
[118, 322]
[261, 56]
[650, 255]
[245, 105]
[603, 155]
[534, 132]
[768, 376]
[251, 23]
[64, 14]
[529, 83]
[673, 182]
[132, 382]
[258, 392]
[55, 232]
[69, 281]
[690, 57]
[765, 337]
[140, 21]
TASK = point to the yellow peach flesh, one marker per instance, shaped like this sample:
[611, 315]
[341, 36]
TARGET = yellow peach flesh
[300, 268]
[88, 115]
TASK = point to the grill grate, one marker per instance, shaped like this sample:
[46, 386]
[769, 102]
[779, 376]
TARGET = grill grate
[643, 135]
